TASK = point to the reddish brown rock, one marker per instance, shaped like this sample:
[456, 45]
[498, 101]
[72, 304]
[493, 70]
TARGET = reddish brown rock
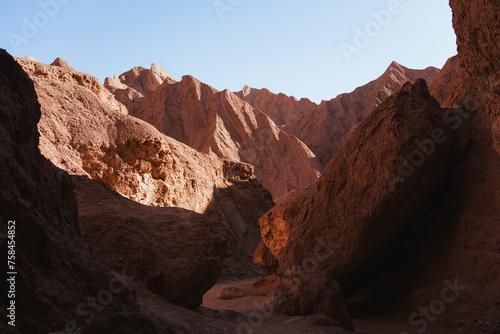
[265, 259]
[131, 87]
[461, 239]
[275, 225]
[175, 252]
[83, 135]
[55, 271]
[223, 125]
[70, 76]
[333, 119]
[359, 203]
[477, 26]
[62, 63]
[317, 293]
[232, 293]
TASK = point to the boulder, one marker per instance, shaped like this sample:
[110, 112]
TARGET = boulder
[394, 162]
[175, 252]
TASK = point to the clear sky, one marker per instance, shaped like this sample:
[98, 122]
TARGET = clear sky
[315, 49]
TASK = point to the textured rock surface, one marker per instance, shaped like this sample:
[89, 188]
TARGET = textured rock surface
[56, 272]
[462, 233]
[83, 135]
[130, 87]
[62, 63]
[477, 26]
[358, 203]
[276, 224]
[316, 293]
[265, 259]
[66, 74]
[223, 125]
[332, 119]
[175, 252]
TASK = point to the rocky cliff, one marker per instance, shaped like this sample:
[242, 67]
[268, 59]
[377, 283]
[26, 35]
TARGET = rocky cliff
[323, 133]
[56, 274]
[83, 134]
[222, 125]
[131, 87]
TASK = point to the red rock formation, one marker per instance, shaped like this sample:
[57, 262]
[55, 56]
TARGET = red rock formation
[56, 272]
[83, 135]
[223, 125]
[67, 75]
[130, 87]
[477, 26]
[332, 119]
[394, 161]
[462, 233]
[175, 252]
[62, 63]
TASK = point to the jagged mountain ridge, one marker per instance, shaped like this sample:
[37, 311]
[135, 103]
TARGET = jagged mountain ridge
[223, 125]
[334, 119]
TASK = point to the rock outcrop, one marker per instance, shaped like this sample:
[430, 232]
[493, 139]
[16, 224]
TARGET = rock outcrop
[478, 28]
[61, 63]
[82, 134]
[333, 119]
[396, 159]
[56, 273]
[131, 87]
[223, 125]
[66, 74]
[175, 252]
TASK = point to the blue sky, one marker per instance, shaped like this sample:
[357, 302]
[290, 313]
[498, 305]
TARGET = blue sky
[295, 47]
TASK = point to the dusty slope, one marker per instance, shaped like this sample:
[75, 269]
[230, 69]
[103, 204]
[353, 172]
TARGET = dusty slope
[332, 120]
[223, 125]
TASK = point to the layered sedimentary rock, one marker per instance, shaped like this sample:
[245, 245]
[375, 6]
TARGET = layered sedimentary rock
[82, 134]
[323, 127]
[394, 161]
[223, 125]
[131, 87]
[56, 273]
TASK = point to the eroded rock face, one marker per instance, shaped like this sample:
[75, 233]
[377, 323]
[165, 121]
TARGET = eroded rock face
[477, 26]
[130, 87]
[62, 72]
[61, 63]
[223, 125]
[82, 134]
[56, 272]
[275, 225]
[359, 202]
[333, 119]
[175, 252]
